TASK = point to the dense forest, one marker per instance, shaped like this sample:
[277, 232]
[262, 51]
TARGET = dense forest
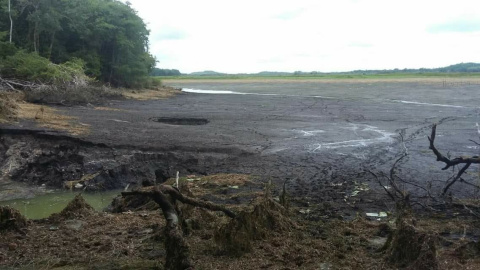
[106, 39]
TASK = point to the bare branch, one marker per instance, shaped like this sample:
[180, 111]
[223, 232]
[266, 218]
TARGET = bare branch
[380, 182]
[449, 163]
[475, 142]
[459, 174]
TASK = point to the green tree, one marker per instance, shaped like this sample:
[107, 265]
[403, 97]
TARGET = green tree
[107, 35]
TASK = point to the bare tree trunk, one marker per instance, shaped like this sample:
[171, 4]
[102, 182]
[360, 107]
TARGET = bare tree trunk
[35, 37]
[11, 21]
[178, 255]
[51, 46]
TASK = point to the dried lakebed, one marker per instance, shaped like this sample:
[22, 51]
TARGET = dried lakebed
[320, 136]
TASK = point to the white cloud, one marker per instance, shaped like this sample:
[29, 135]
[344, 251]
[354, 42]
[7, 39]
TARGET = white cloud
[340, 35]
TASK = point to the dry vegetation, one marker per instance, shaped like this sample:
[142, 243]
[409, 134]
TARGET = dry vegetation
[149, 94]
[48, 117]
[269, 236]
[14, 108]
[9, 106]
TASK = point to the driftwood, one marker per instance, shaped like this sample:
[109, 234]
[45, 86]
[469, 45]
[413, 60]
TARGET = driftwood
[466, 161]
[178, 256]
[174, 193]
[18, 85]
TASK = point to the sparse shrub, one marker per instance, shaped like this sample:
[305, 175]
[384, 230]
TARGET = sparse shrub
[7, 49]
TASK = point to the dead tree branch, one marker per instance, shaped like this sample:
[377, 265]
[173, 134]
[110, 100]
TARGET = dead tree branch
[475, 142]
[451, 162]
[184, 199]
[14, 84]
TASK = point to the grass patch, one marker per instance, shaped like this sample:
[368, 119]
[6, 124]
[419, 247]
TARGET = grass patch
[415, 77]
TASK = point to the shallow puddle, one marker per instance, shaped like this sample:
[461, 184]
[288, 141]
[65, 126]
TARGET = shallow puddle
[44, 205]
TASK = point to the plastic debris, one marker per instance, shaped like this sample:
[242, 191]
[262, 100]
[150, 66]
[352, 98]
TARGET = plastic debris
[379, 215]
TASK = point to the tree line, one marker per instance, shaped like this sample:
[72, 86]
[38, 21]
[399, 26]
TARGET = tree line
[107, 36]
[165, 72]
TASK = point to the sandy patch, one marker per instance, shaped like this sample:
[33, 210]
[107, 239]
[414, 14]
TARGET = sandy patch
[151, 94]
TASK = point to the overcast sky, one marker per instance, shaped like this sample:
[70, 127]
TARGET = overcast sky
[244, 36]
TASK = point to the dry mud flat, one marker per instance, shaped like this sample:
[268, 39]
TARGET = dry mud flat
[320, 136]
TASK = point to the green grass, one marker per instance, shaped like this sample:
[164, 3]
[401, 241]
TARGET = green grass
[325, 76]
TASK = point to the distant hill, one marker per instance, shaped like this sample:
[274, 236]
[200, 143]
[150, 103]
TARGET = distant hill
[272, 73]
[462, 67]
[207, 73]
[457, 68]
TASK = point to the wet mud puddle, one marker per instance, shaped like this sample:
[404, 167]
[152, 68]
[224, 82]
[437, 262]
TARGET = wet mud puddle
[43, 206]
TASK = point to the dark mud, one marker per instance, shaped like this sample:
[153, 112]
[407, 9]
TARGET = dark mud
[322, 146]
[181, 121]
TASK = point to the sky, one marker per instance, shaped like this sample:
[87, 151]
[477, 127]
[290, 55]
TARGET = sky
[245, 36]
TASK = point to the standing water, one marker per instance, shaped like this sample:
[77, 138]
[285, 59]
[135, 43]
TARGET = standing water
[44, 205]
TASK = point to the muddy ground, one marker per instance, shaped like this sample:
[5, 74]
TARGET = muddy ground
[320, 136]
[317, 134]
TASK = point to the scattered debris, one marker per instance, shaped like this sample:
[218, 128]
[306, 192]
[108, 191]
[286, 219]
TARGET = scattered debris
[379, 215]
[304, 211]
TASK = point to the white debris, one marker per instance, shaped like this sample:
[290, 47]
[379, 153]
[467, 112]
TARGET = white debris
[78, 185]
